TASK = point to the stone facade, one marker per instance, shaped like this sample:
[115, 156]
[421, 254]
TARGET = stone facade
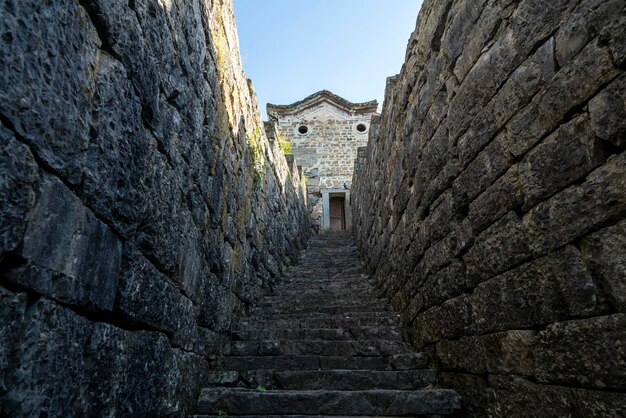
[142, 206]
[324, 131]
[490, 202]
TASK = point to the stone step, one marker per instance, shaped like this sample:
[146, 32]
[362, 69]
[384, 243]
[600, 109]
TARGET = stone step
[323, 315]
[336, 280]
[337, 379]
[317, 293]
[324, 289]
[326, 299]
[362, 348]
[315, 253]
[330, 286]
[322, 292]
[243, 378]
[327, 302]
[301, 362]
[341, 252]
[323, 343]
[407, 361]
[330, 309]
[316, 323]
[312, 263]
[355, 379]
[336, 334]
[238, 401]
[287, 416]
[325, 280]
[348, 263]
[340, 248]
[322, 241]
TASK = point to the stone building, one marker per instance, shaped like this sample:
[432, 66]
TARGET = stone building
[325, 131]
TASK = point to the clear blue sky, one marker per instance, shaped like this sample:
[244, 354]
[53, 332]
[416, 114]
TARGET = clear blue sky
[293, 48]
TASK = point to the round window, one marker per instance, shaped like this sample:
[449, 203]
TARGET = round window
[361, 127]
[303, 129]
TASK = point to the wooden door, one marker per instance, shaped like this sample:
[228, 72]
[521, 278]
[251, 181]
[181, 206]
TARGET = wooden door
[337, 214]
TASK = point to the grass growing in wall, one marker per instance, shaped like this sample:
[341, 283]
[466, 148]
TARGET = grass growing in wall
[284, 144]
[256, 154]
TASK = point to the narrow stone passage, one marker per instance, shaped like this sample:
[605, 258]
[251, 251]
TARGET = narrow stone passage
[323, 343]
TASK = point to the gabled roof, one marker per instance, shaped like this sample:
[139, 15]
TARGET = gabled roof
[315, 99]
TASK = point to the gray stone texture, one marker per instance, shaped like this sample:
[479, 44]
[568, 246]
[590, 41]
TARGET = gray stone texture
[501, 353]
[489, 203]
[63, 362]
[605, 254]
[420, 403]
[132, 229]
[601, 339]
[514, 396]
[316, 363]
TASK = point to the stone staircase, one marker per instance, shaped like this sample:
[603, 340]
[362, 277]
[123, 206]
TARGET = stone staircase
[323, 344]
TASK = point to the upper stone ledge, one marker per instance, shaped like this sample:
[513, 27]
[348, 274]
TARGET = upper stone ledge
[314, 99]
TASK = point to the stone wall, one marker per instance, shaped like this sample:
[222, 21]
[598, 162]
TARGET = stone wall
[142, 210]
[329, 145]
[327, 152]
[491, 204]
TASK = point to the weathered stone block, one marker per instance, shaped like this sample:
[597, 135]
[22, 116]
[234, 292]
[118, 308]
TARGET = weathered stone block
[434, 157]
[508, 352]
[552, 288]
[529, 25]
[445, 251]
[118, 382]
[473, 390]
[19, 172]
[585, 352]
[500, 247]
[501, 197]
[588, 19]
[578, 209]
[572, 85]
[605, 254]
[482, 35]
[146, 296]
[12, 309]
[447, 283]
[523, 83]
[421, 128]
[512, 396]
[561, 159]
[70, 254]
[47, 80]
[218, 307]
[614, 34]
[482, 172]
[452, 319]
[608, 112]
[436, 188]
[442, 218]
[102, 368]
[49, 351]
[460, 17]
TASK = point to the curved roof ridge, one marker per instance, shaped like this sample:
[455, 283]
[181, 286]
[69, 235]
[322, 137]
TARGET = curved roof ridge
[324, 94]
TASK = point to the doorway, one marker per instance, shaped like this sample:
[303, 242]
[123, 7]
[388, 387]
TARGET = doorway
[337, 213]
